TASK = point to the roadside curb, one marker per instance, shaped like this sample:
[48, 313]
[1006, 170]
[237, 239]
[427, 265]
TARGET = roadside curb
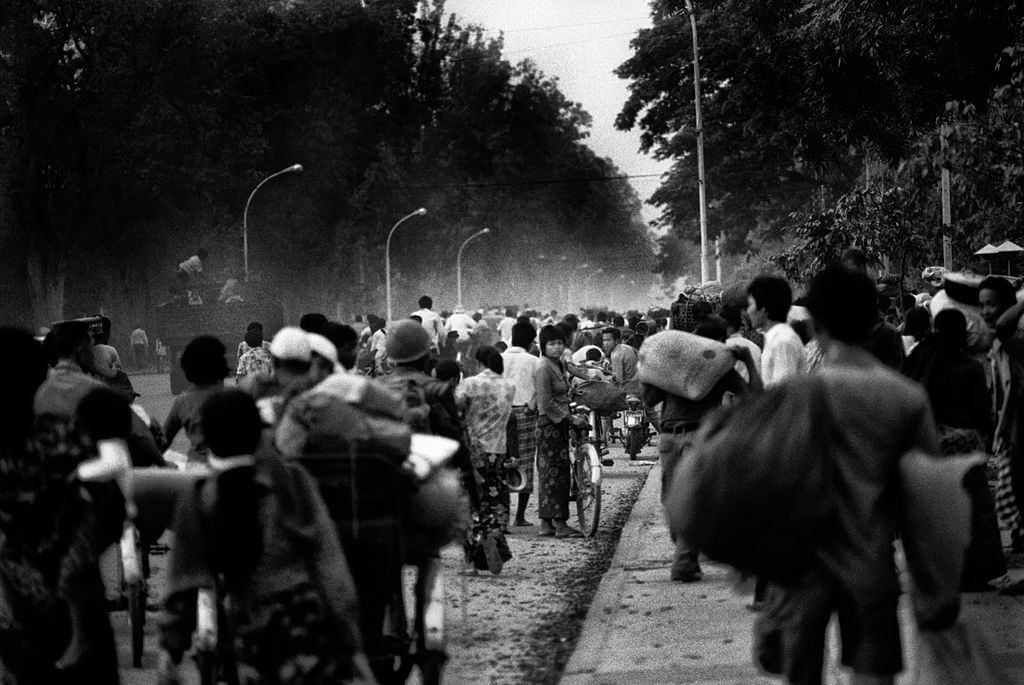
[601, 615]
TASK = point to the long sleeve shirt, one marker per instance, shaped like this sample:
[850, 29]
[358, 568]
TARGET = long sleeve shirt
[486, 399]
[552, 391]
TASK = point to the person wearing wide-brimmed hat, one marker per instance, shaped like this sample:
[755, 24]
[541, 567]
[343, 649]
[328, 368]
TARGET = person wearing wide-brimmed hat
[553, 474]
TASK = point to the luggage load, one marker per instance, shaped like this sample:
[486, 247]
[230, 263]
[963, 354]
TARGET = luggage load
[603, 397]
[756, 497]
[683, 364]
[979, 337]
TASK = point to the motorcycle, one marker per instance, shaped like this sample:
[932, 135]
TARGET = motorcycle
[634, 418]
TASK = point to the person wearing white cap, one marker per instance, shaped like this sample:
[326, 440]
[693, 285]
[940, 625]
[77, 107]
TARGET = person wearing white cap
[324, 359]
[292, 356]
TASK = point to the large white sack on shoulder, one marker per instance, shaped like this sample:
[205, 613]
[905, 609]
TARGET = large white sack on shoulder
[979, 337]
[935, 516]
[683, 364]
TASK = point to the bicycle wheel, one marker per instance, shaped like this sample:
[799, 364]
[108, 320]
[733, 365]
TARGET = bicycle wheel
[587, 475]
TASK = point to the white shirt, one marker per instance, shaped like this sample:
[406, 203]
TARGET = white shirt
[737, 340]
[783, 354]
[462, 324]
[505, 329]
[520, 368]
[432, 324]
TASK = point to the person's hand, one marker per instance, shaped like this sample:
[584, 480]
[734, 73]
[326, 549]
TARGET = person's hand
[742, 354]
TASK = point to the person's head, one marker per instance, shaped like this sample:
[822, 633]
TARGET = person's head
[202, 253]
[291, 354]
[712, 327]
[346, 342]
[842, 304]
[853, 259]
[21, 381]
[426, 302]
[510, 313]
[254, 325]
[524, 319]
[552, 341]
[313, 322]
[105, 361]
[618, 322]
[254, 337]
[408, 344]
[907, 302]
[103, 336]
[769, 299]
[72, 342]
[203, 361]
[374, 322]
[523, 335]
[323, 357]
[917, 323]
[449, 371]
[995, 296]
[477, 316]
[633, 321]
[951, 329]
[732, 315]
[593, 355]
[610, 339]
[567, 331]
[104, 414]
[501, 346]
[491, 358]
[572, 321]
[602, 317]
[231, 428]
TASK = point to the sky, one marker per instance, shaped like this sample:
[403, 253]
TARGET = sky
[581, 42]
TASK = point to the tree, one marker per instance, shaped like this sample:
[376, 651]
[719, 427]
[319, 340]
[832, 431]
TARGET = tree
[797, 93]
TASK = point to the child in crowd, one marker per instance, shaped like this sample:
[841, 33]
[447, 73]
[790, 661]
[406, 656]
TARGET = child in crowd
[205, 368]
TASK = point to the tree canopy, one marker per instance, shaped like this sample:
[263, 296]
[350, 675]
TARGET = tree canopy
[132, 131]
[797, 94]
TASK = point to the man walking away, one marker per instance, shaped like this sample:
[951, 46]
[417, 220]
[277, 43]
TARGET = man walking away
[883, 415]
[431, 322]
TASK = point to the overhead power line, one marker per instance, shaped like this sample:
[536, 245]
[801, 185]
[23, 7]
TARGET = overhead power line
[536, 182]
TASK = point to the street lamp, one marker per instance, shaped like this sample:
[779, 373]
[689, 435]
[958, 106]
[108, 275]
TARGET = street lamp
[294, 168]
[458, 264]
[387, 256]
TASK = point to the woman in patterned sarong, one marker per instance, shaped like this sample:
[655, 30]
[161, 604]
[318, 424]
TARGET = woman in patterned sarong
[553, 473]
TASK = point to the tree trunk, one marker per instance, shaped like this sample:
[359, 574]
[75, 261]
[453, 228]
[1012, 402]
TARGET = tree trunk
[45, 286]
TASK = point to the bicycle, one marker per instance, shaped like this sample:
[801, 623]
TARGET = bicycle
[585, 468]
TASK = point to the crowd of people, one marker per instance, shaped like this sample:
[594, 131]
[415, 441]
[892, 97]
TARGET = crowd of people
[301, 506]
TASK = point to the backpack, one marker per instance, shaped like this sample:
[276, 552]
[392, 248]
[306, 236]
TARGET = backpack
[757, 492]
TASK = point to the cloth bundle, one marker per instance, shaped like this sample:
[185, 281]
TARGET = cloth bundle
[683, 364]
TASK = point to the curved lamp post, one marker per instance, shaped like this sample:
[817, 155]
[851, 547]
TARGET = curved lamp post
[387, 255]
[294, 168]
[458, 264]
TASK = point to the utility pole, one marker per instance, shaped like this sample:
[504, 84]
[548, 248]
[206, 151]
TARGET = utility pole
[699, 124]
[947, 209]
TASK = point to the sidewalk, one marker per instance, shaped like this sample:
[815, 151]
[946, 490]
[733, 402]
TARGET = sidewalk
[644, 628]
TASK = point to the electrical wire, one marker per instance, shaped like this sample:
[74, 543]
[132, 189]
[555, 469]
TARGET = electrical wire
[538, 182]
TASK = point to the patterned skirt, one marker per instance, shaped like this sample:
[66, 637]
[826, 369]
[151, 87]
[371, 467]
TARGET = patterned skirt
[553, 469]
[485, 541]
[985, 560]
[521, 439]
